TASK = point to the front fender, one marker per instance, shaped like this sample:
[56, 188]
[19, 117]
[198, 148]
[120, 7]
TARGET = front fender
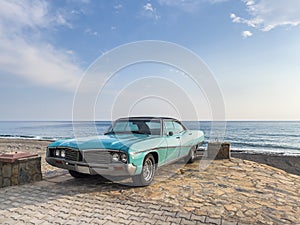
[137, 159]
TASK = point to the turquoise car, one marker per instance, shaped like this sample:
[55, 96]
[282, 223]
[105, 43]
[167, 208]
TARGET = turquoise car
[133, 146]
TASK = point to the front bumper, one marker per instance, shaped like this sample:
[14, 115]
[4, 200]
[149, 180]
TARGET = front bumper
[111, 169]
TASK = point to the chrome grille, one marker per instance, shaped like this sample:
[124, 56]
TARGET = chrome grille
[72, 155]
[97, 157]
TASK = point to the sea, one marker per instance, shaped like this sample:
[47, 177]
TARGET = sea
[270, 137]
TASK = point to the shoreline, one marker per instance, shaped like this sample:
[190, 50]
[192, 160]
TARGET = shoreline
[288, 163]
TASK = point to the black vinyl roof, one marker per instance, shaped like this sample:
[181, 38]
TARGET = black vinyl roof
[146, 118]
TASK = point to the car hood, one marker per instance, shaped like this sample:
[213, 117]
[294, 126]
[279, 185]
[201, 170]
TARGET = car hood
[115, 142]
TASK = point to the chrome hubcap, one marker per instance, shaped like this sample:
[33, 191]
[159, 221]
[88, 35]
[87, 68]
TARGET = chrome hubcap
[193, 154]
[148, 169]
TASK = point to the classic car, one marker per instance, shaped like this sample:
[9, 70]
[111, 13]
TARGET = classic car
[132, 147]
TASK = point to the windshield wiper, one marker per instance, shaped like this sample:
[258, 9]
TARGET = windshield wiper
[109, 132]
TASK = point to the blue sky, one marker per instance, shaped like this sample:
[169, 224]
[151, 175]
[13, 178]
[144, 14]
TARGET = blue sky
[252, 48]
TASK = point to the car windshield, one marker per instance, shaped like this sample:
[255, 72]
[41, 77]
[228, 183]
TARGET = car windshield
[136, 126]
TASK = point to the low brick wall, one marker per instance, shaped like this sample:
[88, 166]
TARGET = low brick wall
[20, 170]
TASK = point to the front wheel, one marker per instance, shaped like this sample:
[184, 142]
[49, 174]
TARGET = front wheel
[147, 174]
[192, 154]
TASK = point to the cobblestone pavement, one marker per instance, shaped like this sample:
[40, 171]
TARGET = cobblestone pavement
[227, 192]
[64, 200]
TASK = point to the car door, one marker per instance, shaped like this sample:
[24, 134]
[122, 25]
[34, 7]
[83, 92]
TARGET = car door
[173, 141]
[185, 137]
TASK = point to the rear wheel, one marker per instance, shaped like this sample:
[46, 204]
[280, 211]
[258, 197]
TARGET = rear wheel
[147, 174]
[76, 174]
[192, 154]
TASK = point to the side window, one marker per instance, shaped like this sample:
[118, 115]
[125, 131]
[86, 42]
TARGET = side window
[178, 127]
[168, 127]
[154, 126]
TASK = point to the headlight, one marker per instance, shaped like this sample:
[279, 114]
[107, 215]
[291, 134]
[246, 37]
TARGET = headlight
[63, 153]
[57, 153]
[115, 157]
[124, 158]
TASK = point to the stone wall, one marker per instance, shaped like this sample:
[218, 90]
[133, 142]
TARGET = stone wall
[21, 171]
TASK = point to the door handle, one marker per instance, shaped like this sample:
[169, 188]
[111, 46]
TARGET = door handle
[178, 137]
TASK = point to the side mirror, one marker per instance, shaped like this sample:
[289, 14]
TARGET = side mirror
[170, 133]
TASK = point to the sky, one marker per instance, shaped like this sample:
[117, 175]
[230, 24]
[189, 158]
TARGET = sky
[251, 47]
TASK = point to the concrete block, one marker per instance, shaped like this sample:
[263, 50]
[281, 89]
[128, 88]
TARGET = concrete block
[218, 150]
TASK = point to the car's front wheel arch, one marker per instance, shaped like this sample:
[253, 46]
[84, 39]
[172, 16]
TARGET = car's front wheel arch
[155, 156]
[148, 170]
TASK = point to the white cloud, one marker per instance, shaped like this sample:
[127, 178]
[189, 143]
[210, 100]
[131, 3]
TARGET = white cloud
[266, 15]
[22, 49]
[89, 31]
[189, 6]
[246, 34]
[41, 64]
[118, 6]
[148, 7]
[150, 12]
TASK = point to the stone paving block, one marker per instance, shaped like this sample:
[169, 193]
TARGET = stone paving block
[85, 219]
[147, 220]
[133, 213]
[146, 215]
[8, 221]
[121, 206]
[187, 222]
[132, 203]
[36, 221]
[160, 222]
[132, 208]
[15, 215]
[109, 217]
[198, 218]
[144, 210]
[122, 221]
[200, 223]
[154, 206]
[142, 205]
[174, 220]
[75, 212]
[84, 223]
[158, 217]
[184, 215]
[48, 218]
[135, 222]
[98, 221]
[25, 218]
[123, 215]
[70, 222]
[16, 204]
[168, 213]
[213, 221]
[87, 214]
[136, 218]
[225, 222]
[57, 220]
[157, 212]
